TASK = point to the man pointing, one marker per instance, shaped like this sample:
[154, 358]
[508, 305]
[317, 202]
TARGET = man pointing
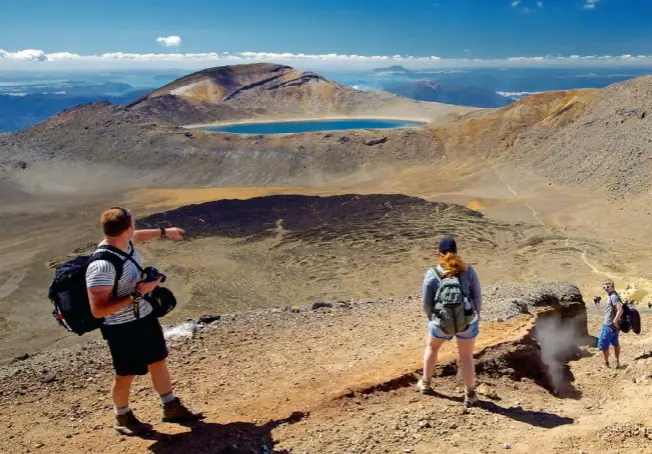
[132, 331]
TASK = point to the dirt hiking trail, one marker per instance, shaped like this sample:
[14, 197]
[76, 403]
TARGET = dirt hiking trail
[332, 380]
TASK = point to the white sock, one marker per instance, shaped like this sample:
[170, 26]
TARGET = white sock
[121, 411]
[167, 398]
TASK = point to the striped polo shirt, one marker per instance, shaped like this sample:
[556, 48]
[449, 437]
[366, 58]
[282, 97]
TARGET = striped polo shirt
[101, 273]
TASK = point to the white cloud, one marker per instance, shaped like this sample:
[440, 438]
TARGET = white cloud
[590, 4]
[24, 55]
[30, 57]
[515, 3]
[169, 41]
[540, 4]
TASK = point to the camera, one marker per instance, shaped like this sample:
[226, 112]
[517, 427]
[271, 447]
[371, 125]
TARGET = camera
[152, 274]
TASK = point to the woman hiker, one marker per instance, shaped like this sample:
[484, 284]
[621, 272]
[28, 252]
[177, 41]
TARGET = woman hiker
[455, 314]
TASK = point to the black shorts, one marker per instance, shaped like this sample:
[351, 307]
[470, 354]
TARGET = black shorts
[135, 345]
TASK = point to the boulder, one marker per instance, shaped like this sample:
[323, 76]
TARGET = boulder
[372, 142]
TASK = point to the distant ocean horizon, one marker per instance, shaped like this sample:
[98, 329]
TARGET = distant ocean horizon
[516, 82]
[499, 80]
[27, 97]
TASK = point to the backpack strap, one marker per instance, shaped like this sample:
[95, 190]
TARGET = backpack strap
[123, 255]
[117, 258]
[440, 274]
[621, 301]
[113, 253]
[114, 260]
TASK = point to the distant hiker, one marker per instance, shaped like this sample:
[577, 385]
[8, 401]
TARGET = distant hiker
[611, 327]
[596, 300]
[452, 300]
[130, 327]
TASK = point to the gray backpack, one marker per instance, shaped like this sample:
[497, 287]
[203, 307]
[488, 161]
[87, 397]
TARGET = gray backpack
[452, 309]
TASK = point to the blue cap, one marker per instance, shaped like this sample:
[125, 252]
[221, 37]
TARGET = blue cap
[447, 244]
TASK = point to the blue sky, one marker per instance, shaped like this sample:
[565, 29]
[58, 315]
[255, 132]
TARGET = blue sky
[450, 29]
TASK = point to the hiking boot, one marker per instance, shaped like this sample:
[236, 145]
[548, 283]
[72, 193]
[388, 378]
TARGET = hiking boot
[129, 425]
[423, 386]
[175, 411]
[470, 398]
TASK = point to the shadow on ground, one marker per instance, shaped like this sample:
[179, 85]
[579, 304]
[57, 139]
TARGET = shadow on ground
[235, 437]
[645, 355]
[534, 418]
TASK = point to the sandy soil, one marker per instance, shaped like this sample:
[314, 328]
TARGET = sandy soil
[536, 230]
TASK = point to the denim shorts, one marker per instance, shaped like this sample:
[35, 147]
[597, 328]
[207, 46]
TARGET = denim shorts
[608, 336]
[471, 332]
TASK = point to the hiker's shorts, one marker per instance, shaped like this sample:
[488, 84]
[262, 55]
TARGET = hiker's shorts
[471, 332]
[135, 345]
[608, 336]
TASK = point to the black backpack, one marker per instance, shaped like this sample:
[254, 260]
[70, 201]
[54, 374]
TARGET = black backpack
[630, 320]
[69, 295]
[635, 320]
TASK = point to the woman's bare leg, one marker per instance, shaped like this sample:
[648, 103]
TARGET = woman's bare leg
[430, 356]
[465, 347]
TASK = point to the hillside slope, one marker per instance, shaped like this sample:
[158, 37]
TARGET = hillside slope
[264, 90]
[18, 112]
[588, 138]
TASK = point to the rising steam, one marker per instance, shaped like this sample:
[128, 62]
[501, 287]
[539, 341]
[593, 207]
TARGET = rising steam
[558, 340]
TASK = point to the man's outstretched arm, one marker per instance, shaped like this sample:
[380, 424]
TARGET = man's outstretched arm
[145, 235]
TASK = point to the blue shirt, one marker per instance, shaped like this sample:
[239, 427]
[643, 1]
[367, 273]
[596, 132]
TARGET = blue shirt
[469, 282]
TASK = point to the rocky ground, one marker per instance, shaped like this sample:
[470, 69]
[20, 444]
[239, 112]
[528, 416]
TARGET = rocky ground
[340, 379]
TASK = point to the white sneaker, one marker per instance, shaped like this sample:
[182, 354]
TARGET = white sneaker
[423, 386]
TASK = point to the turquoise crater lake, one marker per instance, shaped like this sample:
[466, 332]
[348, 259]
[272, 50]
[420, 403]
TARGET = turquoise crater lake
[294, 127]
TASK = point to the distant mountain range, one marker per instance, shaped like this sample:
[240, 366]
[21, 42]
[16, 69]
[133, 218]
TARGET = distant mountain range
[18, 112]
[398, 70]
[39, 95]
[589, 138]
[438, 91]
[392, 70]
[224, 93]
[67, 87]
[434, 91]
[515, 81]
